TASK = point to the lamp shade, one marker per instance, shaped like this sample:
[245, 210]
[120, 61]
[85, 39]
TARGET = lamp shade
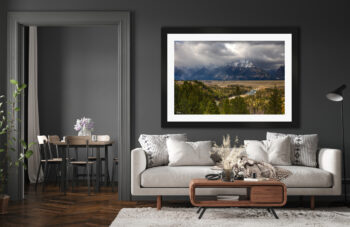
[337, 94]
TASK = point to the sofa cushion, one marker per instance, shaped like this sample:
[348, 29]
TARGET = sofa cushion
[183, 153]
[275, 152]
[303, 147]
[307, 177]
[173, 176]
[180, 176]
[156, 149]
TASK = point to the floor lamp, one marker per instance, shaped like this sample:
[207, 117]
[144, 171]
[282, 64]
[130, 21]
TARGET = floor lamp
[337, 96]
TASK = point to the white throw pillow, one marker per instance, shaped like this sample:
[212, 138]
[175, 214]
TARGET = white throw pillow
[275, 152]
[256, 150]
[189, 153]
[303, 148]
[156, 149]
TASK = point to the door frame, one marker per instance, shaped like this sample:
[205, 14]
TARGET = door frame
[121, 20]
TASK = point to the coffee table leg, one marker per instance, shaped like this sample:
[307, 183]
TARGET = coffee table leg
[199, 209]
[200, 216]
[273, 212]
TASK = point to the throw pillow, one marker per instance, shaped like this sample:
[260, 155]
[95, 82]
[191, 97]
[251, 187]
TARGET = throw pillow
[303, 148]
[156, 149]
[189, 153]
[275, 152]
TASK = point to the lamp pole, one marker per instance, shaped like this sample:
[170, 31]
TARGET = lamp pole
[343, 150]
[337, 96]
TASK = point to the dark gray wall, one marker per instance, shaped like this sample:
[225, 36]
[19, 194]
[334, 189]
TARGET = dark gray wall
[3, 21]
[325, 35]
[77, 77]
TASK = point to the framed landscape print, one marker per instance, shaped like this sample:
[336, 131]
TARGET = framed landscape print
[224, 77]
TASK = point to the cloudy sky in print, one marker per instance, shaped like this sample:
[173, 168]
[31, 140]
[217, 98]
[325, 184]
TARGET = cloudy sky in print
[263, 54]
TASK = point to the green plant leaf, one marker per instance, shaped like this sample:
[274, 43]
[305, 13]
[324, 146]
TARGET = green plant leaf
[23, 86]
[24, 144]
[31, 144]
[3, 131]
[2, 150]
[28, 153]
[17, 163]
[17, 109]
[14, 82]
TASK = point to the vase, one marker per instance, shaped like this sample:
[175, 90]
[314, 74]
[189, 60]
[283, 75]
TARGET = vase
[227, 175]
[84, 132]
[4, 200]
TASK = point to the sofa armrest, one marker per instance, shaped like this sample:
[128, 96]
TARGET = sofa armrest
[331, 161]
[138, 165]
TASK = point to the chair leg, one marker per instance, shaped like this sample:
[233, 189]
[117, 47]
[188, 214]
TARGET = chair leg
[37, 177]
[76, 177]
[312, 202]
[56, 180]
[95, 183]
[68, 167]
[45, 175]
[88, 177]
[113, 170]
[159, 202]
[73, 171]
[108, 181]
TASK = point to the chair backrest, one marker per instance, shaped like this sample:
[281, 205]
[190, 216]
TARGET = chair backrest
[80, 141]
[42, 139]
[51, 139]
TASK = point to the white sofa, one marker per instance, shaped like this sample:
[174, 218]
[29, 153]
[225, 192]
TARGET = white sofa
[169, 181]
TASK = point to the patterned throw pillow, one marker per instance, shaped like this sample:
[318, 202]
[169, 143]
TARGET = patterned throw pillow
[156, 149]
[303, 148]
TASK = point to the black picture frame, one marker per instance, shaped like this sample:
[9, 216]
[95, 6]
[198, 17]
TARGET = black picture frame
[294, 31]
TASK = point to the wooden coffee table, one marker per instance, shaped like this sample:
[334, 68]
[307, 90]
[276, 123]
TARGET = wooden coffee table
[267, 194]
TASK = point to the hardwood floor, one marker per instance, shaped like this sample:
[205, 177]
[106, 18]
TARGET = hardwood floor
[52, 208]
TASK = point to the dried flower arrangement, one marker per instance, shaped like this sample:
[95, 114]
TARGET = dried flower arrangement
[226, 155]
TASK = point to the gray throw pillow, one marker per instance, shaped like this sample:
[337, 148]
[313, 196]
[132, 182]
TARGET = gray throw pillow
[303, 148]
[156, 149]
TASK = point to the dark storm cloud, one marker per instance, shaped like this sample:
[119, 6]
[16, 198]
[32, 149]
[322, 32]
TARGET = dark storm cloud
[264, 54]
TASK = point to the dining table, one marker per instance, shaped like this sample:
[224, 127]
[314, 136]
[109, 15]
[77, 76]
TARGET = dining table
[62, 147]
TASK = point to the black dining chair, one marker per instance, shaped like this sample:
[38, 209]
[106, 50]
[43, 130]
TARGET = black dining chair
[74, 165]
[92, 157]
[47, 160]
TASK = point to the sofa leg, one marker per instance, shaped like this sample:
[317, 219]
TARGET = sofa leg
[312, 202]
[159, 202]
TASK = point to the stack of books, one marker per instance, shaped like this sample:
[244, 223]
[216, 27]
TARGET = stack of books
[227, 197]
[256, 179]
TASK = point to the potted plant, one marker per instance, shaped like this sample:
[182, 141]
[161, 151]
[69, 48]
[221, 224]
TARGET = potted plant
[7, 127]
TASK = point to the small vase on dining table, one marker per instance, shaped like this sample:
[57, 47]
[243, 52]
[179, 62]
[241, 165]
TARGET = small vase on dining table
[84, 132]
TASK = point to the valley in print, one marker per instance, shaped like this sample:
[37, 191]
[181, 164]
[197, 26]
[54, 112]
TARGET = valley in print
[229, 77]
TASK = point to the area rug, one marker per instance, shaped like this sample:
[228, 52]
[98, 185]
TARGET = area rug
[339, 216]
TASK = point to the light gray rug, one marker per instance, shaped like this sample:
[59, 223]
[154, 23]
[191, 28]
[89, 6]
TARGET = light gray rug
[232, 216]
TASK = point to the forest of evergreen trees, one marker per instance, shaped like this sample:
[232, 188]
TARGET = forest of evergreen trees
[195, 97]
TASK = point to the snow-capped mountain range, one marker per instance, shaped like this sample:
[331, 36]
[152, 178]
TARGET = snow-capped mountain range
[240, 70]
